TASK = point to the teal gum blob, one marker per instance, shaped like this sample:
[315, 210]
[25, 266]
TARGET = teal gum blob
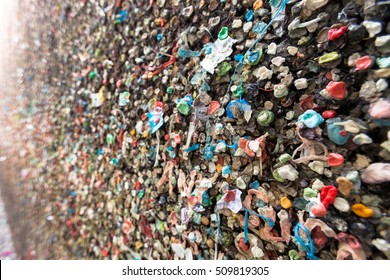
[275, 3]
[336, 133]
[311, 119]
[226, 170]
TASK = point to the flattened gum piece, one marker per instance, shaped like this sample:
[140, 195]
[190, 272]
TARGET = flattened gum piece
[344, 185]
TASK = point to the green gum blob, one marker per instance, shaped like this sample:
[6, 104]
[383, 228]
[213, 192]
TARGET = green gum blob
[183, 108]
[92, 74]
[278, 177]
[224, 68]
[170, 90]
[284, 158]
[294, 255]
[110, 139]
[309, 192]
[160, 225]
[265, 117]
[238, 92]
[223, 33]
[329, 57]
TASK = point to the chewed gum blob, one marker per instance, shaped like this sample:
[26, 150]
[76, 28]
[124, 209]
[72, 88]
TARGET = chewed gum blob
[311, 118]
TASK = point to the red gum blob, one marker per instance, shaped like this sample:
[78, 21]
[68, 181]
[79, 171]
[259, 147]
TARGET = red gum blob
[242, 245]
[230, 196]
[328, 114]
[104, 252]
[335, 159]
[363, 63]
[337, 90]
[327, 195]
[213, 107]
[318, 210]
[336, 33]
[343, 133]
[159, 104]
